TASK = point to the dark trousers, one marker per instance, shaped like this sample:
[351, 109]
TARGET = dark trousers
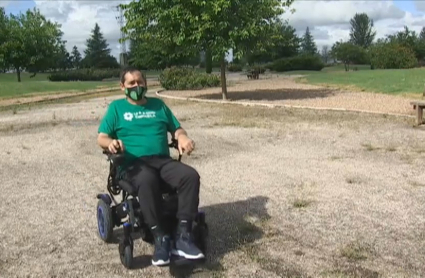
[146, 174]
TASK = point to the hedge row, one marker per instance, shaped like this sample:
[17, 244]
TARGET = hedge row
[300, 62]
[85, 75]
[187, 79]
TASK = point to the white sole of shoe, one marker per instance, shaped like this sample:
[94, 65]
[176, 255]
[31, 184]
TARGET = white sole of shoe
[190, 257]
[160, 263]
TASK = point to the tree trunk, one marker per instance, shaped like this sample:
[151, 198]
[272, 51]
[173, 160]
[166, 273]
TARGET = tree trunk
[18, 72]
[208, 61]
[223, 78]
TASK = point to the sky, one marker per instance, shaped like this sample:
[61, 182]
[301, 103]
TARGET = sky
[328, 20]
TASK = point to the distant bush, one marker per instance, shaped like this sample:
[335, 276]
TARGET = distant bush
[187, 79]
[300, 62]
[84, 75]
[392, 56]
[234, 67]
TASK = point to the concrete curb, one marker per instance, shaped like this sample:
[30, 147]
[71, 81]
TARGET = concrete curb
[244, 103]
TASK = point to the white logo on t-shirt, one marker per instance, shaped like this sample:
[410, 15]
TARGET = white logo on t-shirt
[128, 116]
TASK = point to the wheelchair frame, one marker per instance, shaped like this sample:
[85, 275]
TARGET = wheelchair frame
[110, 213]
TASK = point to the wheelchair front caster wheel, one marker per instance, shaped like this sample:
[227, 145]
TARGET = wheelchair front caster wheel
[126, 254]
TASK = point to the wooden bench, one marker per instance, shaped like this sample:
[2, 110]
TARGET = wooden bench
[253, 74]
[419, 106]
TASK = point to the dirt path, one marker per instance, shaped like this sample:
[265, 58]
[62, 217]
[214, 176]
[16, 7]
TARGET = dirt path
[284, 90]
[288, 193]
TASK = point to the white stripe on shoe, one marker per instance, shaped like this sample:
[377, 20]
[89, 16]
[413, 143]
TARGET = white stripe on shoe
[160, 262]
[187, 256]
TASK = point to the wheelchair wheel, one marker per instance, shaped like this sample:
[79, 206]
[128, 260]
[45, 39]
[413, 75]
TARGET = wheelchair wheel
[126, 253]
[105, 223]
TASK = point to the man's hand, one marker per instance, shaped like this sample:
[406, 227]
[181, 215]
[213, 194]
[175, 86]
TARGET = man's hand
[115, 145]
[185, 144]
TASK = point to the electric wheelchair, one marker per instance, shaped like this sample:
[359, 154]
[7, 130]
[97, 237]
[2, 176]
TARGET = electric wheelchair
[111, 214]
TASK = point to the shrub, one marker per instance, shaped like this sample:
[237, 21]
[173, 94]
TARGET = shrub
[85, 75]
[234, 67]
[300, 62]
[187, 79]
[392, 56]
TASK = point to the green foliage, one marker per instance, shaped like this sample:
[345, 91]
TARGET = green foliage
[29, 40]
[362, 33]
[85, 75]
[200, 25]
[308, 46]
[232, 67]
[75, 57]
[300, 62]
[153, 55]
[349, 53]
[187, 79]
[282, 42]
[392, 56]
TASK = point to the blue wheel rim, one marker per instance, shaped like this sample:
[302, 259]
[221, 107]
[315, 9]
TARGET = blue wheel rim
[101, 222]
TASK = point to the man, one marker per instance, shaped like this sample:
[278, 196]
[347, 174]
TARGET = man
[138, 126]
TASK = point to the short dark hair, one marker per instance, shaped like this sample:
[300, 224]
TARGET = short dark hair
[130, 69]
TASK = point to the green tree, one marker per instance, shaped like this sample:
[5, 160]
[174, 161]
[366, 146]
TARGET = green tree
[98, 53]
[30, 40]
[3, 38]
[200, 25]
[348, 53]
[362, 32]
[409, 39]
[283, 42]
[75, 57]
[308, 46]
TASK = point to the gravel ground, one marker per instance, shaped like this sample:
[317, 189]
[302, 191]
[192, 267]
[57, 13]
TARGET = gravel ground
[288, 193]
[284, 90]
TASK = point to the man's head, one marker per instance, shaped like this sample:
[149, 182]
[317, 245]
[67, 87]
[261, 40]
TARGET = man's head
[133, 83]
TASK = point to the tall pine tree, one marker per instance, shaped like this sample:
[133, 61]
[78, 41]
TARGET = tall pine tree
[98, 53]
[362, 32]
[75, 57]
[308, 46]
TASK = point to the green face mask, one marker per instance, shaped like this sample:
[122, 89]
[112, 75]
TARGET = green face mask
[136, 93]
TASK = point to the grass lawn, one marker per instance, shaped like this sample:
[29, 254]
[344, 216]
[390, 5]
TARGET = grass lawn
[406, 82]
[10, 87]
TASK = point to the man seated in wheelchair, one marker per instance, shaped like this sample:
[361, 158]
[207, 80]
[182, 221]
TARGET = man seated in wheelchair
[138, 126]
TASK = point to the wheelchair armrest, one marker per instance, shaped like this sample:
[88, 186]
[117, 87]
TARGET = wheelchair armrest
[115, 158]
[174, 144]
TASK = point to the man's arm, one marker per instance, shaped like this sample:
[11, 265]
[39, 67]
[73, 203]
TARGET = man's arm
[180, 132]
[107, 130]
[107, 143]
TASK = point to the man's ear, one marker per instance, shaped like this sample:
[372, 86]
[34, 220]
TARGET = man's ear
[122, 86]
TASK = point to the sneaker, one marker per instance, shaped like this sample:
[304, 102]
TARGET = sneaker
[161, 255]
[184, 245]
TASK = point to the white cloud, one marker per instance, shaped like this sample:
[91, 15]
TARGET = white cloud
[328, 20]
[4, 3]
[78, 19]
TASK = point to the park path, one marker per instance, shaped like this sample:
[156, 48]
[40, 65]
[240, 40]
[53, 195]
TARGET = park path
[284, 90]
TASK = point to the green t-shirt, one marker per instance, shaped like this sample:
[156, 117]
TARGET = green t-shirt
[142, 128]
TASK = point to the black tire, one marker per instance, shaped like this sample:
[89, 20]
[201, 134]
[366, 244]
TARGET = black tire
[126, 255]
[105, 222]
